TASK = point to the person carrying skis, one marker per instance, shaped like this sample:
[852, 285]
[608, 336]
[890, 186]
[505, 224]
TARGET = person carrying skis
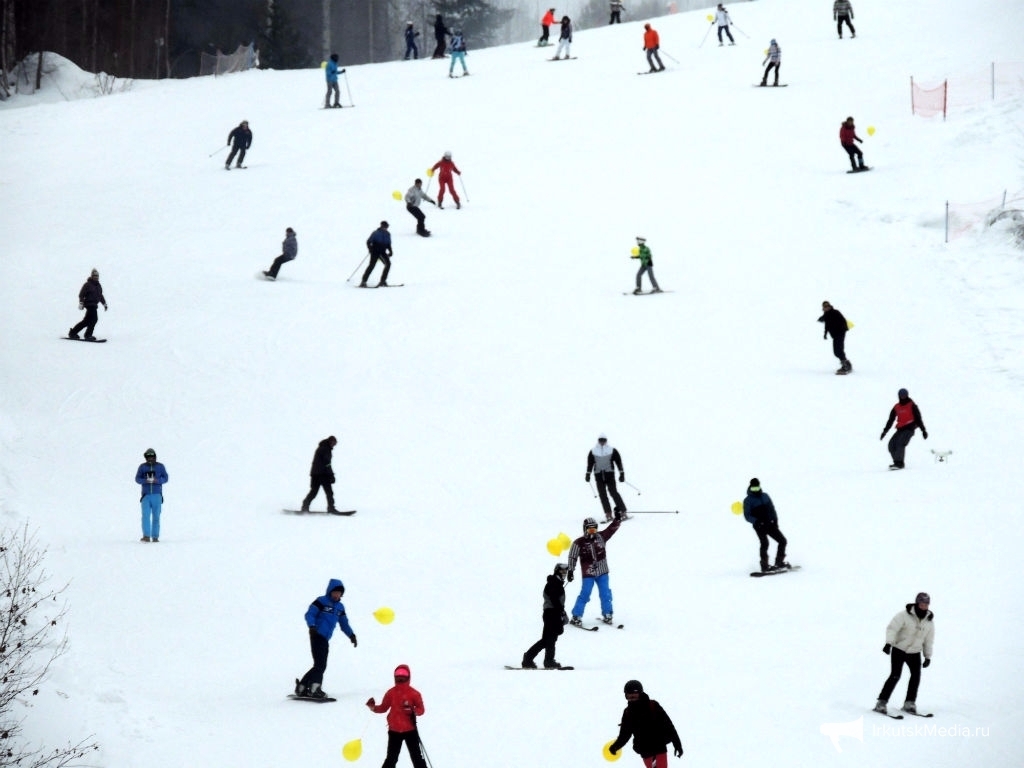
[848, 135]
[602, 461]
[836, 325]
[458, 51]
[151, 475]
[289, 250]
[759, 511]
[650, 727]
[331, 73]
[616, 12]
[842, 11]
[410, 42]
[564, 38]
[240, 140]
[545, 26]
[440, 32]
[445, 167]
[652, 42]
[910, 633]
[89, 298]
[907, 417]
[646, 265]
[321, 475]
[379, 245]
[322, 617]
[413, 197]
[554, 618]
[724, 22]
[404, 704]
[589, 549]
[774, 61]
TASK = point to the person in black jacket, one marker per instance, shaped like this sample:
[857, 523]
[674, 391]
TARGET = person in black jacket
[650, 726]
[321, 475]
[554, 618]
[89, 299]
[440, 30]
[240, 139]
[836, 325]
[379, 245]
[759, 511]
[907, 417]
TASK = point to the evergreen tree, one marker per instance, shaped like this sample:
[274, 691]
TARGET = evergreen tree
[479, 20]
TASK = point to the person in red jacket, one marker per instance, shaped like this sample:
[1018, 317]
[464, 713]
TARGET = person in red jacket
[404, 704]
[545, 26]
[651, 44]
[446, 166]
[848, 135]
[907, 417]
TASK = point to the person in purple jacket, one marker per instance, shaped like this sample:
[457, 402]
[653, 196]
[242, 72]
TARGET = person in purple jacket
[151, 475]
[324, 614]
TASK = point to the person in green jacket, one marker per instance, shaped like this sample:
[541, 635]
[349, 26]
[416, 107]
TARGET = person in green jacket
[643, 253]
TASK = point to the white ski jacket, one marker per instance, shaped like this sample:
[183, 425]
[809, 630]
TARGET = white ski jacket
[911, 634]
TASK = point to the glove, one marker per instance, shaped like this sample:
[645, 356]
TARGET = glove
[371, 703]
[622, 477]
[882, 437]
[312, 632]
[886, 649]
[586, 477]
[332, 477]
[612, 751]
[105, 308]
[570, 577]
[924, 434]
[355, 643]
[81, 305]
[926, 662]
[679, 752]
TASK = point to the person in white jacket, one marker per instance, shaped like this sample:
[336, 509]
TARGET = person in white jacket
[413, 197]
[724, 22]
[909, 634]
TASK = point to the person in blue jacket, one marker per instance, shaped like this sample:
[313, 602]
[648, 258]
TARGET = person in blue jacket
[759, 511]
[324, 614]
[151, 475]
[332, 72]
[379, 245]
[410, 41]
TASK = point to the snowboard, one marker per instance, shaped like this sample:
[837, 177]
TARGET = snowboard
[94, 341]
[340, 512]
[261, 276]
[566, 58]
[237, 167]
[325, 700]
[542, 669]
[780, 85]
[645, 293]
[759, 574]
[860, 170]
[648, 72]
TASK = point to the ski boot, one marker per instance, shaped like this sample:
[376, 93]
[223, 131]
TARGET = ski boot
[382, 284]
[637, 291]
[910, 706]
[363, 285]
[145, 538]
[316, 692]
[847, 366]
[458, 205]
[880, 707]
[528, 663]
[656, 290]
[607, 618]
[300, 689]
[576, 621]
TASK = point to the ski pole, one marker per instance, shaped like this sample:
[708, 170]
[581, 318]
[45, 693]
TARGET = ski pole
[347, 90]
[591, 487]
[358, 265]
[670, 56]
[654, 512]
[706, 35]
[463, 185]
[218, 151]
[423, 751]
[632, 486]
[741, 31]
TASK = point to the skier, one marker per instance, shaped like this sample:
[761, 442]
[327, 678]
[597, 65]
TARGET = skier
[379, 245]
[910, 633]
[724, 22]
[89, 298]
[848, 135]
[458, 51]
[446, 167]
[440, 31]
[616, 12]
[651, 44]
[589, 549]
[564, 38]
[759, 511]
[404, 704]
[410, 41]
[602, 461]
[331, 73]
[774, 61]
[649, 725]
[554, 619]
[324, 614]
[545, 26]
[836, 325]
[842, 11]
[321, 475]
[289, 250]
[151, 475]
[907, 416]
[413, 197]
[240, 140]
[646, 265]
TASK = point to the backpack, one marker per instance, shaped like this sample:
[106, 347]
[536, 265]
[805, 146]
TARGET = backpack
[457, 43]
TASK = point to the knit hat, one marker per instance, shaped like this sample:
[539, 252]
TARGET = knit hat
[755, 485]
[903, 393]
[94, 273]
[633, 686]
[922, 597]
[384, 224]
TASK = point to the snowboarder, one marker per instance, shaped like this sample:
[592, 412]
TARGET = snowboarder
[331, 73]
[836, 325]
[774, 61]
[616, 12]
[907, 416]
[602, 461]
[458, 51]
[554, 618]
[842, 11]
[440, 33]
[289, 250]
[649, 725]
[240, 140]
[445, 167]
[724, 22]
[848, 135]
[652, 42]
[410, 42]
[909, 634]
[589, 549]
[324, 614]
[545, 26]
[379, 245]
[404, 704]
[759, 511]
[646, 265]
[151, 475]
[89, 299]
[413, 197]
[564, 38]
[321, 475]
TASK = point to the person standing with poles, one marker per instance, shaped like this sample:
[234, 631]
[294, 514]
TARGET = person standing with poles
[842, 10]
[322, 617]
[651, 44]
[240, 140]
[289, 250]
[724, 22]
[836, 324]
[554, 618]
[404, 704]
[759, 511]
[90, 296]
[590, 550]
[910, 633]
[602, 461]
[774, 61]
[321, 475]
[379, 246]
[446, 167]
[413, 197]
[331, 73]
[907, 417]
[650, 727]
[151, 475]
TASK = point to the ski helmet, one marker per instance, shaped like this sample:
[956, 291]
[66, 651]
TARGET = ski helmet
[448, 155]
[149, 454]
[402, 670]
[633, 686]
[560, 570]
[589, 523]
